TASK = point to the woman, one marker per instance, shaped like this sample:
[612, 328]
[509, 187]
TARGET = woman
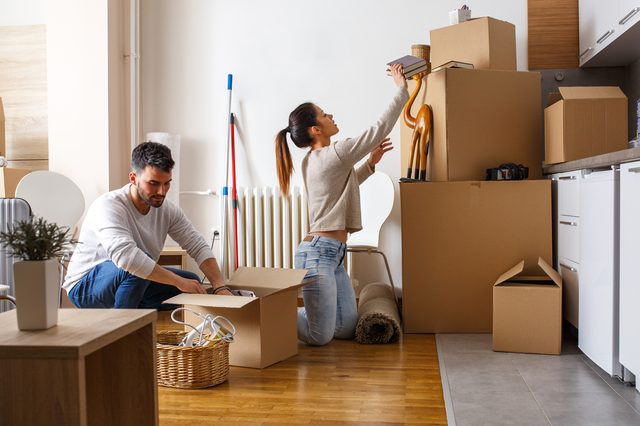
[332, 186]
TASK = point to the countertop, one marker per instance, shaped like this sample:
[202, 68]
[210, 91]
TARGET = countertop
[604, 160]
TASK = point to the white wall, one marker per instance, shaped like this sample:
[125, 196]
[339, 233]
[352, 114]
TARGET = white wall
[22, 12]
[86, 95]
[78, 86]
[281, 53]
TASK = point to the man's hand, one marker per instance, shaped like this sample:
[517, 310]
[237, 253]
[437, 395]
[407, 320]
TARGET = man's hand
[223, 292]
[376, 155]
[190, 286]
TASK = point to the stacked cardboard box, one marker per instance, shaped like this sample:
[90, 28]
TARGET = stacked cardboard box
[458, 238]
[487, 43]
[483, 117]
[460, 233]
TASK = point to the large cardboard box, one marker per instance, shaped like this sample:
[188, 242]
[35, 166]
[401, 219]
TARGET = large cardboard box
[9, 179]
[581, 122]
[527, 311]
[457, 237]
[266, 325]
[481, 119]
[487, 43]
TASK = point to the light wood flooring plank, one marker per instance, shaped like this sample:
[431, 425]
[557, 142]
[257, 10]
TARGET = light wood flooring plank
[343, 383]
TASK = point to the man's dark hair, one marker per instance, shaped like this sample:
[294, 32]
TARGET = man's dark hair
[151, 154]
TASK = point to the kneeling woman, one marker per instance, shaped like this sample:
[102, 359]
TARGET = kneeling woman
[332, 186]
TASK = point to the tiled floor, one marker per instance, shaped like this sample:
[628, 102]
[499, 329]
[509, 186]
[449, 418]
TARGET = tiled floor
[483, 387]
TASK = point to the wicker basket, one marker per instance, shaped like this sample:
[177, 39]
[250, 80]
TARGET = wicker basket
[190, 367]
[422, 51]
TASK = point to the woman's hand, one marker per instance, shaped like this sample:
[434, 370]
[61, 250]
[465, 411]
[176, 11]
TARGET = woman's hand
[398, 75]
[376, 155]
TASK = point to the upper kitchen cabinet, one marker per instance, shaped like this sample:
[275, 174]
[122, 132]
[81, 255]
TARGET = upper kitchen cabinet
[609, 32]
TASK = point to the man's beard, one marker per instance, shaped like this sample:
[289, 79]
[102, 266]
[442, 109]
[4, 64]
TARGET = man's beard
[155, 201]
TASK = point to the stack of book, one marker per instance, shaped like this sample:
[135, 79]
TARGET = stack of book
[453, 64]
[411, 65]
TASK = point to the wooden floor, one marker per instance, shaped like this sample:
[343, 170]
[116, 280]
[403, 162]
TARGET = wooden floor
[341, 383]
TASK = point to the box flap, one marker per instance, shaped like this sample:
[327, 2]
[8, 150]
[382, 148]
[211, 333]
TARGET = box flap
[552, 273]
[216, 301]
[510, 273]
[595, 92]
[548, 270]
[272, 278]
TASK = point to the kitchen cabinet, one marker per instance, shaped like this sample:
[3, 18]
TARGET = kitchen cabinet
[630, 267]
[567, 225]
[598, 250]
[609, 32]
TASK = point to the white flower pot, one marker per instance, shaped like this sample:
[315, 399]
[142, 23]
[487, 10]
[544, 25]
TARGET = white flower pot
[37, 293]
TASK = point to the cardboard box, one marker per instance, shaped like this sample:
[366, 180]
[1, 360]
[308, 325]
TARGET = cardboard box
[9, 179]
[457, 237]
[3, 144]
[581, 122]
[527, 311]
[487, 43]
[481, 119]
[266, 325]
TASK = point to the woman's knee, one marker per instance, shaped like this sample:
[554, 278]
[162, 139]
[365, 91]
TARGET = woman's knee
[319, 337]
[348, 329]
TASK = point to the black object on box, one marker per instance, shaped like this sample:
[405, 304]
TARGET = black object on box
[508, 171]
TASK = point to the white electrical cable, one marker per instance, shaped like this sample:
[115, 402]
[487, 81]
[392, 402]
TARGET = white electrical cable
[219, 329]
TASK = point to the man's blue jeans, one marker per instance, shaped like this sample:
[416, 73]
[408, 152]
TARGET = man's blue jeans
[107, 286]
[330, 308]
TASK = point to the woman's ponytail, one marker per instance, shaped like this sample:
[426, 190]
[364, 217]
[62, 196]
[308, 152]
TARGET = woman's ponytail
[300, 120]
[284, 164]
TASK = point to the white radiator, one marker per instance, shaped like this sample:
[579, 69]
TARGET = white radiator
[270, 227]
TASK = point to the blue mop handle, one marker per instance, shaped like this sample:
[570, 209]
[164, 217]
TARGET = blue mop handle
[229, 81]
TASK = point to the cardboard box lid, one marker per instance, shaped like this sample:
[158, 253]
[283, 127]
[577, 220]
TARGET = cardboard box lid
[517, 269]
[268, 278]
[275, 279]
[582, 92]
[217, 301]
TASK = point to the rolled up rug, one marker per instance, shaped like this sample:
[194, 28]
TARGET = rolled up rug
[378, 317]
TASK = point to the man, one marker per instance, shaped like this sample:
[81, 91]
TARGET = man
[115, 261]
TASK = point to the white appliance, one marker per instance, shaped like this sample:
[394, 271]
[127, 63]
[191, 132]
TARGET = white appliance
[599, 271]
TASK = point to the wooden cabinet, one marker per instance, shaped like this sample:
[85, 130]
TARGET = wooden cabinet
[598, 301]
[96, 367]
[609, 32]
[630, 267]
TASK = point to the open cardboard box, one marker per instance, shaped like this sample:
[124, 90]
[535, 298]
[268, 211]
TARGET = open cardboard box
[581, 122]
[527, 311]
[266, 324]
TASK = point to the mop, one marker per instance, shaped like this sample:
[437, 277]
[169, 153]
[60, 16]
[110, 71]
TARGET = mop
[225, 191]
[234, 192]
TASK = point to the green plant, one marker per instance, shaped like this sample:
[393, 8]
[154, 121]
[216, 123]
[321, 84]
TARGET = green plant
[36, 239]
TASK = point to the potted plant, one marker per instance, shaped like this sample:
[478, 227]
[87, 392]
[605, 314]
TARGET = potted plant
[40, 245]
